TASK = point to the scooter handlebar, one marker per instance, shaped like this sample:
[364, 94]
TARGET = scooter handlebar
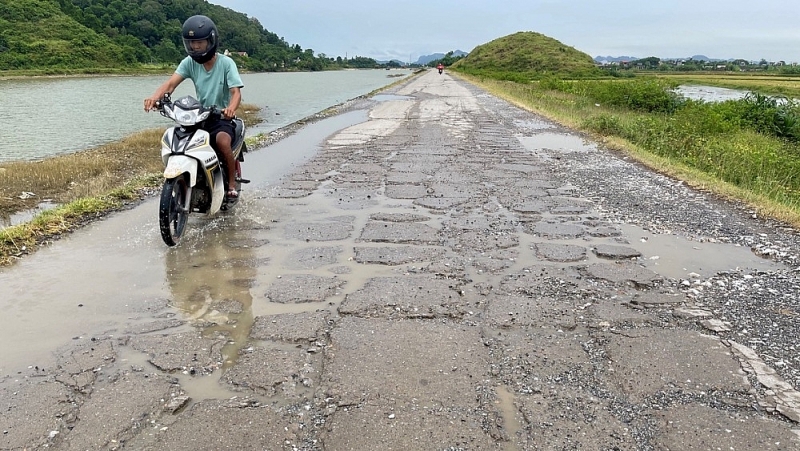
[166, 99]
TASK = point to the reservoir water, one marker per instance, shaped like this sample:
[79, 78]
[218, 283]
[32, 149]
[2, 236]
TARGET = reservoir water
[43, 117]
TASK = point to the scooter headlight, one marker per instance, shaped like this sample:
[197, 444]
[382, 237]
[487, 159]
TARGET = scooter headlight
[188, 118]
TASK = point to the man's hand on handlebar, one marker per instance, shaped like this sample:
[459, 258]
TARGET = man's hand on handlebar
[150, 104]
[155, 103]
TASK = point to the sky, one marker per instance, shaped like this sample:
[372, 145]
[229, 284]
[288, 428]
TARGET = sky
[404, 30]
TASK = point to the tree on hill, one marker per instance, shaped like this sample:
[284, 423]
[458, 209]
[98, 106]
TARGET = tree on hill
[35, 33]
[52, 34]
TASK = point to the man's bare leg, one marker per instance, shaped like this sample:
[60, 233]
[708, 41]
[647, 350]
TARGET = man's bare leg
[224, 146]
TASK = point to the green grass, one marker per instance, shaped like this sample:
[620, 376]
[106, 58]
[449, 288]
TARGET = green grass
[149, 69]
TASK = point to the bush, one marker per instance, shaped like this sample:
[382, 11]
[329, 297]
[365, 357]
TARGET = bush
[646, 95]
[772, 116]
[700, 117]
[554, 84]
[604, 124]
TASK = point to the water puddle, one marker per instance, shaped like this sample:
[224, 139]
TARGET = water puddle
[196, 387]
[199, 388]
[555, 142]
[671, 256]
[676, 257]
[509, 413]
[209, 282]
[27, 215]
[271, 163]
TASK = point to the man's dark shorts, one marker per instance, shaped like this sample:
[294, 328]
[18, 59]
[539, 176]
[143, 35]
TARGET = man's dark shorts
[213, 127]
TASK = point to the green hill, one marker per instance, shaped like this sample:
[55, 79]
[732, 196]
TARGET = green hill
[527, 55]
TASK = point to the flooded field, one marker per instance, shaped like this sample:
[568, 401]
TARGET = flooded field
[710, 93]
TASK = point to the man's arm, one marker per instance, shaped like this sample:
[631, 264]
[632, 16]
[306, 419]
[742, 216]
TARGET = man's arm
[236, 99]
[167, 87]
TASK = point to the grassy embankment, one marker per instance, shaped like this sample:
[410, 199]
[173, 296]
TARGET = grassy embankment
[85, 185]
[143, 69]
[748, 150]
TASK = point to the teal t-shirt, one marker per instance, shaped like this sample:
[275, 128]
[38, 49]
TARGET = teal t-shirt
[213, 87]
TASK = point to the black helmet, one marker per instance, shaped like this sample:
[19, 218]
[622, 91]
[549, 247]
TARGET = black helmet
[200, 28]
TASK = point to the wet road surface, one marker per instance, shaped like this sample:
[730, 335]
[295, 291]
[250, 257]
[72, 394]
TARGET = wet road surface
[432, 269]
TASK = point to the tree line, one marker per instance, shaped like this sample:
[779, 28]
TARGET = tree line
[41, 34]
[691, 65]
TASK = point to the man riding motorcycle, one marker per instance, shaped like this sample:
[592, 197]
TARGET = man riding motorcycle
[217, 82]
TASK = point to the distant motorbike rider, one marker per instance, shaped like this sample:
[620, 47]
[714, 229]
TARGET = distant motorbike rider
[217, 83]
[440, 67]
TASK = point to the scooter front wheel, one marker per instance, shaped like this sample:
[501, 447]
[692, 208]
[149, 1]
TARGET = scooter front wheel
[172, 215]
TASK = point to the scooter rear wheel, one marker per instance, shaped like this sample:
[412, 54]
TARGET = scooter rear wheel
[172, 215]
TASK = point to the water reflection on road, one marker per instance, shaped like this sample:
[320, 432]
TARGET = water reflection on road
[209, 281]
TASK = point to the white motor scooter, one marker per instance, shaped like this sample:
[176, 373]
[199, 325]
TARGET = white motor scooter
[194, 177]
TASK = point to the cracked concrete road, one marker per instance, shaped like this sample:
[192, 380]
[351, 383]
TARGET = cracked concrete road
[452, 273]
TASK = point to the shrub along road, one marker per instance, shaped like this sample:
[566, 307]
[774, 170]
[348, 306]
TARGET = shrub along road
[454, 273]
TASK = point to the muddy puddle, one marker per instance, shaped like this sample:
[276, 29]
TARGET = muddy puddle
[671, 256]
[115, 276]
[542, 144]
[509, 413]
[25, 216]
[677, 256]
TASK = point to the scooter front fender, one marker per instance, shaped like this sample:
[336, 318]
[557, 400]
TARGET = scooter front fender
[179, 164]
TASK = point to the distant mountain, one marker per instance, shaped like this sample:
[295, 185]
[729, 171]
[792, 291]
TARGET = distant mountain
[617, 59]
[425, 59]
[695, 58]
